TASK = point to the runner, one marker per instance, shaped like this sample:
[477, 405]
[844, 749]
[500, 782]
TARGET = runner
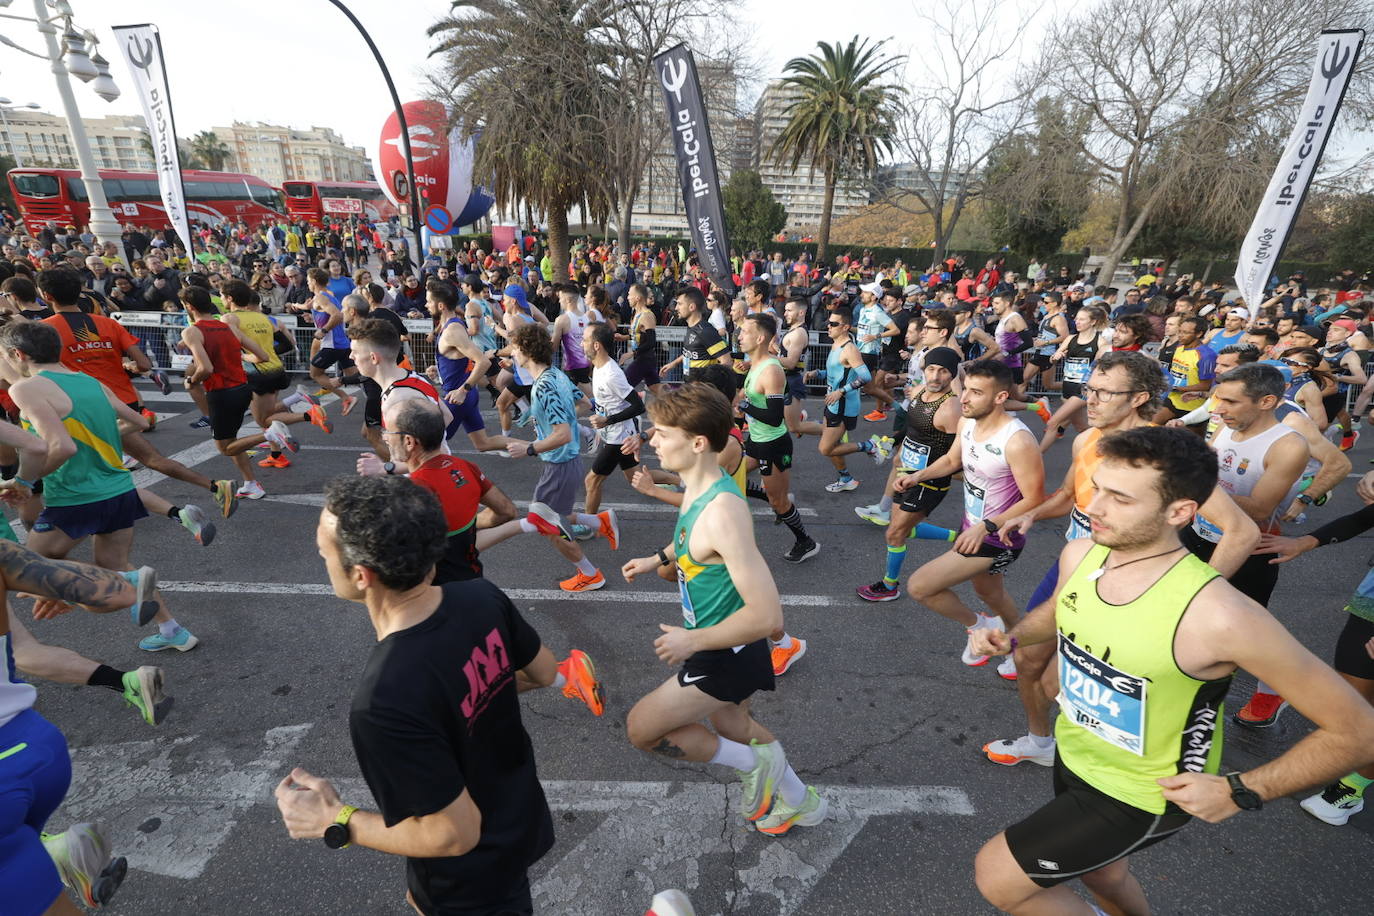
[1077, 353]
[1231, 331]
[1191, 368]
[617, 407]
[1051, 332]
[973, 341]
[216, 363]
[1347, 369]
[932, 425]
[375, 348]
[461, 365]
[567, 328]
[702, 344]
[729, 605]
[640, 361]
[1012, 336]
[1134, 766]
[1004, 477]
[1122, 393]
[331, 333]
[483, 317]
[873, 327]
[792, 347]
[845, 373]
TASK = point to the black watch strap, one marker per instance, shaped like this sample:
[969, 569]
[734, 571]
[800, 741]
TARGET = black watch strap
[1246, 799]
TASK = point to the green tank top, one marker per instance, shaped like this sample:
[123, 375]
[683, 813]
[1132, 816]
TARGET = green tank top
[760, 431]
[708, 593]
[97, 470]
[1127, 714]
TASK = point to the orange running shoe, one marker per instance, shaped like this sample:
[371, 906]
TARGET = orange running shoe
[786, 658]
[280, 461]
[610, 528]
[349, 402]
[1042, 410]
[319, 418]
[579, 672]
[1261, 712]
[150, 417]
[875, 416]
[581, 583]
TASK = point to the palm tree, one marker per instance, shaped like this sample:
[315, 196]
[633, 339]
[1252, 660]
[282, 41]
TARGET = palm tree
[210, 150]
[536, 74]
[840, 116]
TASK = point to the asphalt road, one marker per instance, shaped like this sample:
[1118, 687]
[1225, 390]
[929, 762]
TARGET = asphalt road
[880, 711]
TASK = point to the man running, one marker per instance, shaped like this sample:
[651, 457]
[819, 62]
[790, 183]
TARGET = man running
[1004, 476]
[702, 344]
[331, 333]
[1132, 609]
[617, 408]
[846, 373]
[729, 606]
[462, 367]
[872, 328]
[375, 348]
[567, 330]
[640, 361]
[792, 347]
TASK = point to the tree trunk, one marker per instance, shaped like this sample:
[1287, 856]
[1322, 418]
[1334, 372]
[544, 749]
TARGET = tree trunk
[558, 240]
[623, 230]
[1207, 271]
[823, 234]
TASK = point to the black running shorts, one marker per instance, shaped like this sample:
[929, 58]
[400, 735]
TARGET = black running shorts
[1351, 657]
[730, 675]
[924, 497]
[776, 453]
[609, 457]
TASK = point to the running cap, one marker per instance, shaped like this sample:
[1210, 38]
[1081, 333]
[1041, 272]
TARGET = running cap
[943, 357]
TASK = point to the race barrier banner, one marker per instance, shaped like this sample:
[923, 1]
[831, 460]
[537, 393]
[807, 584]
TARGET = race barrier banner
[696, 162]
[1337, 52]
[141, 46]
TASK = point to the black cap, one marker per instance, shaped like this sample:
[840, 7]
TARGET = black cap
[944, 357]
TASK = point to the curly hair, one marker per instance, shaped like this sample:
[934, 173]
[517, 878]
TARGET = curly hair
[389, 525]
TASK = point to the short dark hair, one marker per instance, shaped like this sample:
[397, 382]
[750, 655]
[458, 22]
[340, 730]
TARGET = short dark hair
[602, 334]
[378, 334]
[237, 291]
[694, 296]
[38, 341]
[473, 282]
[21, 288]
[319, 275]
[941, 318]
[1257, 380]
[1187, 466]
[534, 342]
[198, 299]
[1244, 352]
[1270, 336]
[421, 418]
[721, 378]
[998, 371]
[389, 525]
[61, 285]
[697, 409]
[639, 289]
[443, 293]
[1201, 323]
[1142, 371]
[766, 323]
[760, 288]
[375, 293]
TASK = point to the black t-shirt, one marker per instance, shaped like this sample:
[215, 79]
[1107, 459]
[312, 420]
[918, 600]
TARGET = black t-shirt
[436, 713]
[702, 345]
[396, 321]
[893, 346]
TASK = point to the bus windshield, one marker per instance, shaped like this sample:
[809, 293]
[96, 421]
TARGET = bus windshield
[298, 189]
[36, 185]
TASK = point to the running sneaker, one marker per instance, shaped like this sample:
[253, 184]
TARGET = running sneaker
[1021, 750]
[842, 485]
[784, 659]
[251, 489]
[879, 591]
[82, 857]
[202, 423]
[150, 417]
[1042, 410]
[181, 640]
[319, 418]
[546, 521]
[159, 378]
[309, 398]
[321, 393]
[875, 514]
[193, 519]
[581, 684]
[1261, 711]
[279, 462]
[1335, 804]
[145, 606]
[526, 417]
[802, 550]
[671, 902]
[758, 785]
[281, 437]
[1007, 670]
[978, 661]
[610, 528]
[581, 532]
[876, 415]
[223, 491]
[349, 402]
[784, 817]
[581, 583]
[143, 691]
[589, 441]
[1349, 439]
[882, 448]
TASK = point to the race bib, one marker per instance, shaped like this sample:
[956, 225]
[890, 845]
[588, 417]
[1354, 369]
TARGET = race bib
[1076, 369]
[973, 502]
[689, 614]
[1095, 696]
[1205, 529]
[1079, 526]
[915, 456]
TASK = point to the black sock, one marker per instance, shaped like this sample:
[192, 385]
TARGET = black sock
[174, 514]
[9, 471]
[792, 519]
[305, 417]
[755, 491]
[105, 676]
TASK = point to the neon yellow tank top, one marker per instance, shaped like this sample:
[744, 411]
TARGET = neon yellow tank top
[258, 327]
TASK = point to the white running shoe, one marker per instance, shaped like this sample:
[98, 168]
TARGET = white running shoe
[874, 514]
[1021, 750]
[842, 485]
[968, 658]
[1007, 670]
[251, 490]
[1335, 804]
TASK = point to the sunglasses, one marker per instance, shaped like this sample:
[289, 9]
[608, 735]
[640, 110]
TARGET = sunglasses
[834, 324]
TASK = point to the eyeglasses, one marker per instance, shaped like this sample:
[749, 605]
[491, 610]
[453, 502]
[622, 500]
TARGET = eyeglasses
[834, 324]
[396, 432]
[1296, 363]
[931, 327]
[1103, 395]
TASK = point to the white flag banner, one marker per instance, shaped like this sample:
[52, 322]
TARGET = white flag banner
[1337, 52]
[141, 46]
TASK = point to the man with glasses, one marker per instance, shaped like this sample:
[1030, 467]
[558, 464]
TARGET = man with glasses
[1122, 392]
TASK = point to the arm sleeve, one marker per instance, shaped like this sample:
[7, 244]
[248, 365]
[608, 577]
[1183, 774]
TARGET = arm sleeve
[770, 412]
[634, 406]
[861, 374]
[1027, 338]
[1345, 527]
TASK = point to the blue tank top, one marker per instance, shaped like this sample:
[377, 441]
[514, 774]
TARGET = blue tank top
[837, 378]
[486, 337]
[452, 372]
[340, 339]
[1222, 339]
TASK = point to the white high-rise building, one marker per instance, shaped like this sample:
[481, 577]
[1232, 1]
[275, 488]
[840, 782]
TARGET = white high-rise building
[277, 154]
[37, 139]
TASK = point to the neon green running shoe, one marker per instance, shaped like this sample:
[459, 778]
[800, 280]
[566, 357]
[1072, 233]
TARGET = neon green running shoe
[758, 785]
[82, 857]
[143, 691]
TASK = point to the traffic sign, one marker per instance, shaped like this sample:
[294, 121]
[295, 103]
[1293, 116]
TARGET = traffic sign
[438, 219]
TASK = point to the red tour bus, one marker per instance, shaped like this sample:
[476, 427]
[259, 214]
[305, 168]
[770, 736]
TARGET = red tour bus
[313, 201]
[59, 195]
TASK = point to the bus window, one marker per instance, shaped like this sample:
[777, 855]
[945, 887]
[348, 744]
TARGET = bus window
[36, 185]
[266, 196]
[76, 189]
[298, 190]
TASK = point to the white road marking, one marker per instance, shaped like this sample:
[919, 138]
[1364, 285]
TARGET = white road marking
[669, 596]
[192, 456]
[646, 507]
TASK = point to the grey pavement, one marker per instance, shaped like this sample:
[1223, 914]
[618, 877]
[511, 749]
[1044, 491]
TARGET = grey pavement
[880, 711]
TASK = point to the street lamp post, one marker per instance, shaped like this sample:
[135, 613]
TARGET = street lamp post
[71, 57]
[8, 105]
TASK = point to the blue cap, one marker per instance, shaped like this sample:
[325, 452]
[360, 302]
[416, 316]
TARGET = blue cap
[517, 292]
[1284, 369]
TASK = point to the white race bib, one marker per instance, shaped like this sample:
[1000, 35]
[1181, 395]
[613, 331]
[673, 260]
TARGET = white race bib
[1095, 696]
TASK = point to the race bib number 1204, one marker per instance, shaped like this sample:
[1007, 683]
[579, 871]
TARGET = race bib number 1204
[1107, 702]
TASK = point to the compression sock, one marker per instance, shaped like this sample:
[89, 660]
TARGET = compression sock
[295, 397]
[896, 556]
[928, 532]
[107, 677]
[885, 504]
[755, 491]
[791, 788]
[733, 754]
[174, 513]
[585, 567]
[1354, 781]
[168, 629]
[792, 519]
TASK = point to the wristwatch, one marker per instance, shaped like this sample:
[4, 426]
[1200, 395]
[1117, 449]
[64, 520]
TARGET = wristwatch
[389, 467]
[337, 835]
[1245, 798]
[990, 525]
[1305, 499]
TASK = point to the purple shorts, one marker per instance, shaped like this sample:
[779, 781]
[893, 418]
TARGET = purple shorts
[467, 415]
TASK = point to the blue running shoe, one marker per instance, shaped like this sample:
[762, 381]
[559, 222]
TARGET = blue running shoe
[181, 640]
[145, 606]
[582, 532]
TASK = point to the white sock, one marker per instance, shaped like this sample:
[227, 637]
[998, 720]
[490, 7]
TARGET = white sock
[791, 788]
[168, 629]
[733, 754]
[785, 642]
[527, 528]
[505, 432]
[585, 567]
[560, 680]
[1041, 741]
[1261, 687]
[292, 398]
[885, 504]
[590, 521]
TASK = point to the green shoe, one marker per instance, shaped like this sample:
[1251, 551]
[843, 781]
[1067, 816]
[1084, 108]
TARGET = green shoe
[143, 691]
[193, 519]
[783, 817]
[82, 857]
[758, 785]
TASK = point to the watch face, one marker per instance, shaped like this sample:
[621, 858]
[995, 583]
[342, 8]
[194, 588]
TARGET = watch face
[336, 836]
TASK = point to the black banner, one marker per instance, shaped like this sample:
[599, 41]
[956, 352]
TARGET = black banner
[696, 162]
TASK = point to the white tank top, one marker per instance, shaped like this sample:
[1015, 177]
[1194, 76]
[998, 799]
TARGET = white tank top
[1241, 464]
[989, 485]
[15, 695]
